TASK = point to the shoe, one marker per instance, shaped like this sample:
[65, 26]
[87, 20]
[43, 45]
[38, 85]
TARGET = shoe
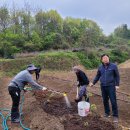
[107, 115]
[115, 119]
[15, 120]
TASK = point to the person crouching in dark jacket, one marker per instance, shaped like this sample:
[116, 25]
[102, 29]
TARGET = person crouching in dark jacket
[83, 81]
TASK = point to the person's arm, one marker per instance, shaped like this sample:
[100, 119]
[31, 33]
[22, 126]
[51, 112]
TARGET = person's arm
[97, 77]
[33, 83]
[117, 76]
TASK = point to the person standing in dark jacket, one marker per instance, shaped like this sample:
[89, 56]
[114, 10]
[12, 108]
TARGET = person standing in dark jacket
[109, 79]
[83, 81]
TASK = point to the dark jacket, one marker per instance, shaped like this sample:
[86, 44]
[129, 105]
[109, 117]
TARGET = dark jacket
[82, 78]
[37, 71]
[109, 76]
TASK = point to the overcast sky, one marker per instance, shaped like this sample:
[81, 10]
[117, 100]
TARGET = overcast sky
[108, 14]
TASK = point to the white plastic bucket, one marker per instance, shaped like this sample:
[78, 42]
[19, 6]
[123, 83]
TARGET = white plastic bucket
[83, 108]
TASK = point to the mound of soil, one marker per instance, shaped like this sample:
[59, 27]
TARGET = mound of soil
[57, 107]
[54, 104]
[91, 122]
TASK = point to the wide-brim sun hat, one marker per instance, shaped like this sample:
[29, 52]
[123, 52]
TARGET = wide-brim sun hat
[31, 67]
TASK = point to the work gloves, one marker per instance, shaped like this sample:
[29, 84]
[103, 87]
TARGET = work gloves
[77, 84]
[44, 88]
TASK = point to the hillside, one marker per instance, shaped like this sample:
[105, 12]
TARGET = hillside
[126, 64]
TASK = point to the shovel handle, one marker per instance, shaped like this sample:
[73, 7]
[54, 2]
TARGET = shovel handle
[77, 95]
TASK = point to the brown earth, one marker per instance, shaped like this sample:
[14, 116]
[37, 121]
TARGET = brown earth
[54, 114]
[126, 64]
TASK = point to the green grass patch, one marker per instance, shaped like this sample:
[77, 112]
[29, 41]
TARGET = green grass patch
[59, 61]
[50, 60]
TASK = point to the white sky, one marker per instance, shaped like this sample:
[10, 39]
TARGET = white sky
[108, 14]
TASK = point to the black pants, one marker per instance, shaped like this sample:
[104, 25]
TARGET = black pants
[109, 92]
[15, 95]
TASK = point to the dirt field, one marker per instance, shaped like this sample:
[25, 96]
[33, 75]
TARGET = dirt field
[54, 114]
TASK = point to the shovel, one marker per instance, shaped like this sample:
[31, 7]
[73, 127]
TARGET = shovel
[77, 95]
